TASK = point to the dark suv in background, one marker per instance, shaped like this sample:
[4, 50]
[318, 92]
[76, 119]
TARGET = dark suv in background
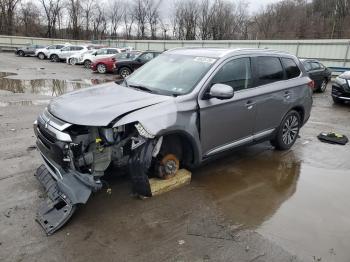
[125, 67]
[318, 72]
[178, 110]
[341, 88]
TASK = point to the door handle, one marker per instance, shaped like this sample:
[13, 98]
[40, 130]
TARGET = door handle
[287, 95]
[250, 104]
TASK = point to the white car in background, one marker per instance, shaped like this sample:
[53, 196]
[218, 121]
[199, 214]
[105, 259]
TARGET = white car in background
[101, 53]
[43, 53]
[65, 52]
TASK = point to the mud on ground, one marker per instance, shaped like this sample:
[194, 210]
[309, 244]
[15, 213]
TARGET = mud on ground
[254, 204]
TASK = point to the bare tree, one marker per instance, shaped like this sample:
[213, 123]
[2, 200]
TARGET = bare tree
[152, 15]
[140, 15]
[87, 9]
[75, 11]
[128, 21]
[115, 15]
[52, 9]
[7, 11]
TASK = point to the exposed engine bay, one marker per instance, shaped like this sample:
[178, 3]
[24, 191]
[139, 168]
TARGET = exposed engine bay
[77, 157]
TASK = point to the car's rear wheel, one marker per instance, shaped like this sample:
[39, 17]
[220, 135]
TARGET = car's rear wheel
[54, 58]
[322, 88]
[288, 131]
[87, 63]
[20, 53]
[41, 56]
[124, 72]
[73, 61]
[101, 68]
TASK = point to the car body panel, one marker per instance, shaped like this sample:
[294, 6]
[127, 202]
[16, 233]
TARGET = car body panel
[51, 48]
[106, 103]
[102, 53]
[317, 71]
[29, 49]
[341, 89]
[135, 63]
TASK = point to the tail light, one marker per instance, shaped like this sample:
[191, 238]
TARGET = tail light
[311, 84]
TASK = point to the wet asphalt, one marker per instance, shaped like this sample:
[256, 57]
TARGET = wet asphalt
[254, 204]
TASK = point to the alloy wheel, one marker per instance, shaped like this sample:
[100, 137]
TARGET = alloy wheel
[290, 130]
[124, 73]
[41, 56]
[101, 68]
[323, 85]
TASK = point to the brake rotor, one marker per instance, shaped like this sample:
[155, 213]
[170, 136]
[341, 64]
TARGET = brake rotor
[168, 166]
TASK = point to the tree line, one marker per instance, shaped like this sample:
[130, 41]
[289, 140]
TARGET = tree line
[187, 20]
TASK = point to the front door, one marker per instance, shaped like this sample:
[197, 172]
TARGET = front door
[228, 123]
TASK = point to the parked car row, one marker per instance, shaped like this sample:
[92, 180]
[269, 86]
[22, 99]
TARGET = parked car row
[98, 58]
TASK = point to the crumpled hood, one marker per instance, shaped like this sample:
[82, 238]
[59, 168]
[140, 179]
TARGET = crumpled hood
[99, 105]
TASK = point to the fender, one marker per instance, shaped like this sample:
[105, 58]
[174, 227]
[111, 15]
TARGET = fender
[166, 118]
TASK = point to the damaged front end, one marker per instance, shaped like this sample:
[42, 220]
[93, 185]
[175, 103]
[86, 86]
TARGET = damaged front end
[75, 160]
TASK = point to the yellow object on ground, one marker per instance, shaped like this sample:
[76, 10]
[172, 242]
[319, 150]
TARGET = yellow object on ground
[160, 186]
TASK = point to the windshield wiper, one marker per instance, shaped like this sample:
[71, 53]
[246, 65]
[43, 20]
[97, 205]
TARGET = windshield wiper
[143, 88]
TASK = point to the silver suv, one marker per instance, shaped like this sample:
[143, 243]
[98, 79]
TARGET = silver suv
[178, 110]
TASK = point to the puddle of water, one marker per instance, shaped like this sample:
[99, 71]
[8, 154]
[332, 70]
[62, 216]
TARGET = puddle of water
[302, 208]
[49, 87]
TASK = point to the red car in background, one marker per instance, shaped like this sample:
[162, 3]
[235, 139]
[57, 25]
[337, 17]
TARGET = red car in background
[107, 65]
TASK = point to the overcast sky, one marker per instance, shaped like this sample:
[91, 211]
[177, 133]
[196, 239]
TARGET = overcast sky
[254, 5]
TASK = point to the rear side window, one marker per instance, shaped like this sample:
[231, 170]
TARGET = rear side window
[236, 73]
[269, 70]
[307, 66]
[292, 70]
[315, 66]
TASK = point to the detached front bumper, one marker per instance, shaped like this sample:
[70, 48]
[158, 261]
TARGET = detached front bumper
[65, 188]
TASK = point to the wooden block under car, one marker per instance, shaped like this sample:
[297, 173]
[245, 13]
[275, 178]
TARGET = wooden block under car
[160, 186]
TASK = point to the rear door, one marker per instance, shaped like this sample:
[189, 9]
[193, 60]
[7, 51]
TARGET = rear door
[316, 72]
[228, 123]
[274, 92]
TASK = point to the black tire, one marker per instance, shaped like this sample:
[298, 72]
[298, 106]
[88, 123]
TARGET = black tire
[323, 86]
[337, 100]
[124, 72]
[41, 56]
[288, 131]
[54, 58]
[20, 53]
[87, 63]
[101, 68]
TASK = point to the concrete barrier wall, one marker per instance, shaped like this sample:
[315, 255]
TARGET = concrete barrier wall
[334, 53]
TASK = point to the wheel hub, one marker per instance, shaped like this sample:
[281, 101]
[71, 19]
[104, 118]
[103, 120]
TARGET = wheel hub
[169, 165]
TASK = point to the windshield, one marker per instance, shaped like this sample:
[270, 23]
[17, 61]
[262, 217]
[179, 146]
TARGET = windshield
[171, 74]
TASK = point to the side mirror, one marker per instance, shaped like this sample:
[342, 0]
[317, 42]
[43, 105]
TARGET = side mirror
[139, 60]
[95, 53]
[221, 91]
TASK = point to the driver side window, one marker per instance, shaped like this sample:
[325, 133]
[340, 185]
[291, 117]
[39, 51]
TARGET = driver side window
[235, 73]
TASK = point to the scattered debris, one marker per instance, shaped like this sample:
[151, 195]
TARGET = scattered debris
[31, 148]
[247, 248]
[181, 242]
[333, 138]
[12, 129]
